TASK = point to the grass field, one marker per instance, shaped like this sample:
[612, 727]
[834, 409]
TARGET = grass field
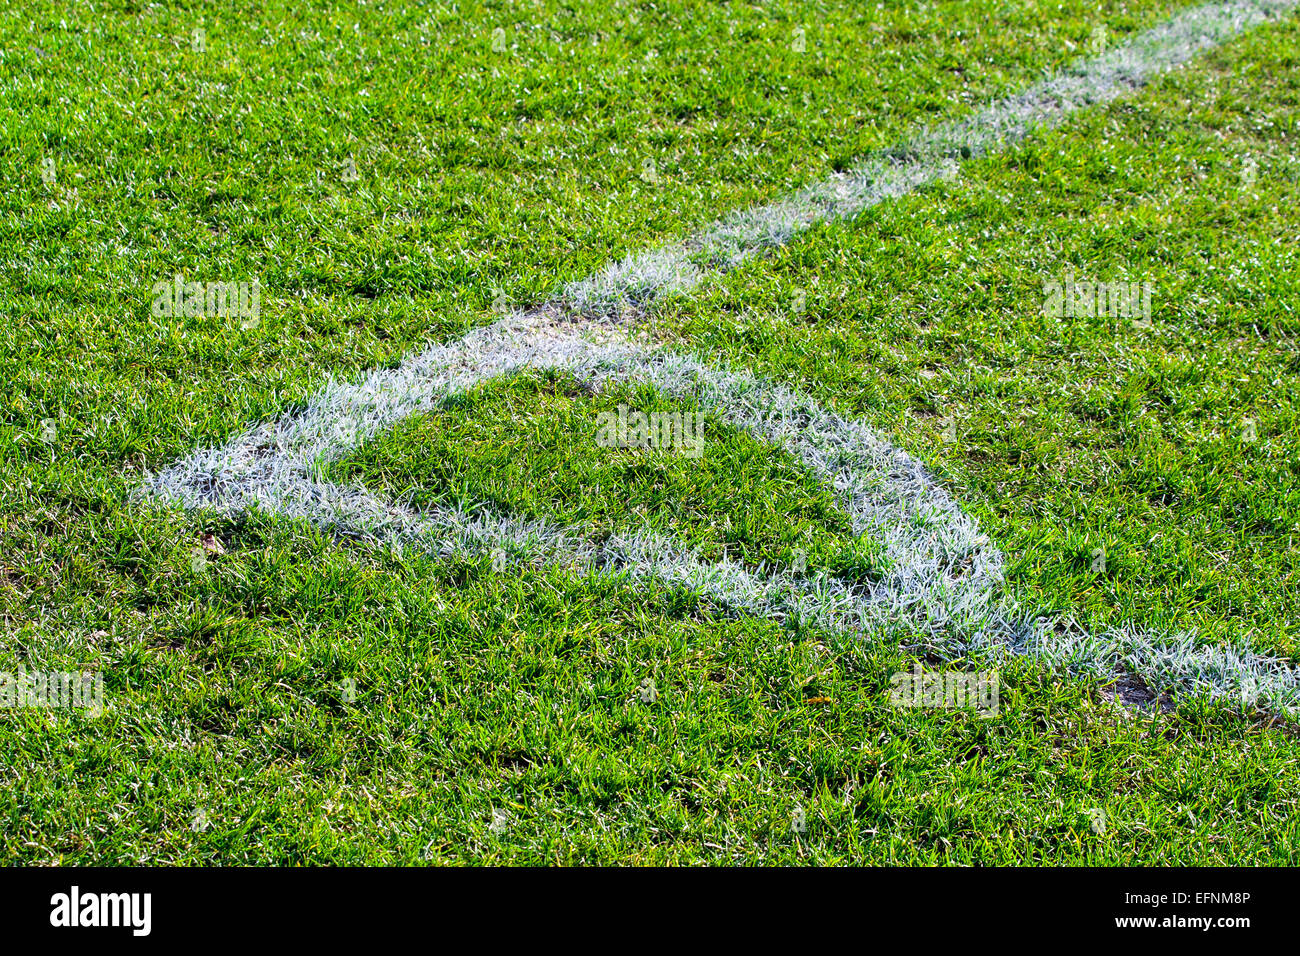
[393, 174]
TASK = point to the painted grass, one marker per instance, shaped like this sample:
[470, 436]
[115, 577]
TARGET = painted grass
[234, 733]
[1173, 449]
[481, 174]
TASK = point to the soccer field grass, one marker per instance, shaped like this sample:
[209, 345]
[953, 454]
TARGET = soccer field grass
[395, 176]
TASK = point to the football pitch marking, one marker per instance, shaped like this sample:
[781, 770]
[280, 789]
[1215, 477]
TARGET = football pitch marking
[942, 583]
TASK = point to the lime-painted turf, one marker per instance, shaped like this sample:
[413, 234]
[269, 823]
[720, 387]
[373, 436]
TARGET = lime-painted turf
[940, 576]
[477, 691]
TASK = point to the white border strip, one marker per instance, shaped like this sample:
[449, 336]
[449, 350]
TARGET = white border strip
[932, 155]
[944, 580]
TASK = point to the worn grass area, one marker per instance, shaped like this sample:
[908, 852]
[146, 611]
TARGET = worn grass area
[292, 699]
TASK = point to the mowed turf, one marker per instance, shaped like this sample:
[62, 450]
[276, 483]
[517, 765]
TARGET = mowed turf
[1169, 443]
[541, 447]
[298, 699]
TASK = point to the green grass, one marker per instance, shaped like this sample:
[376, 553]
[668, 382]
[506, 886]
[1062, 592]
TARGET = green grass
[1073, 435]
[310, 700]
[531, 446]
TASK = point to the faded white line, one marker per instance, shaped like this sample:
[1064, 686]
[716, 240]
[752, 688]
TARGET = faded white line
[943, 582]
[931, 155]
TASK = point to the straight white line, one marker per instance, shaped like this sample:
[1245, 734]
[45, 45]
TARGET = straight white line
[933, 154]
[944, 581]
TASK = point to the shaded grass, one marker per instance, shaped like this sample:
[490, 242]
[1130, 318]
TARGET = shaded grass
[477, 692]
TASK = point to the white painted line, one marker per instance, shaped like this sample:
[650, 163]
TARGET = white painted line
[944, 580]
[933, 154]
